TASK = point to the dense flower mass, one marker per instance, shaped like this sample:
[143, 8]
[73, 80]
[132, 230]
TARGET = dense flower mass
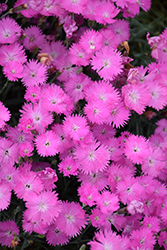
[83, 132]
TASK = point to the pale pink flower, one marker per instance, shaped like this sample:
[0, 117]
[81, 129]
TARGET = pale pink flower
[5, 195]
[135, 207]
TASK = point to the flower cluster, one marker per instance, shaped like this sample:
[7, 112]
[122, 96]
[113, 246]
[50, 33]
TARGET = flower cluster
[80, 91]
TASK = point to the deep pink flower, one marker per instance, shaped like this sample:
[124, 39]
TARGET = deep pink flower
[33, 38]
[71, 219]
[4, 115]
[27, 185]
[136, 148]
[33, 94]
[44, 206]
[142, 239]
[13, 52]
[91, 41]
[47, 143]
[93, 158]
[152, 222]
[9, 30]
[52, 8]
[8, 231]
[75, 6]
[108, 240]
[107, 202]
[25, 149]
[103, 132]
[162, 239]
[88, 194]
[75, 127]
[107, 62]
[18, 136]
[78, 55]
[13, 70]
[55, 236]
[68, 166]
[48, 178]
[8, 152]
[34, 73]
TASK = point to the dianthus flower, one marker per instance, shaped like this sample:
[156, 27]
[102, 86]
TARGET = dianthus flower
[52, 8]
[47, 143]
[33, 94]
[8, 231]
[108, 240]
[13, 52]
[136, 148]
[9, 30]
[53, 98]
[35, 116]
[44, 206]
[55, 236]
[5, 195]
[142, 239]
[162, 239]
[88, 194]
[107, 62]
[75, 127]
[68, 166]
[27, 185]
[13, 70]
[34, 73]
[48, 177]
[121, 30]
[4, 115]
[78, 55]
[106, 13]
[75, 6]
[103, 132]
[107, 202]
[8, 152]
[72, 219]
[136, 97]
[93, 158]
[33, 38]
[91, 41]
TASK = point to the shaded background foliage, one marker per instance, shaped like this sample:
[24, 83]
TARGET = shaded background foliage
[12, 95]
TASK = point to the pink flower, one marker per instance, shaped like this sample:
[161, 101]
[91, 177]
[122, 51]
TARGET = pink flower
[72, 219]
[8, 152]
[25, 149]
[103, 132]
[152, 222]
[108, 240]
[136, 97]
[107, 62]
[5, 195]
[142, 239]
[75, 127]
[17, 136]
[33, 94]
[34, 117]
[13, 52]
[91, 41]
[9, 30]
[88, 194]
[75, 6]
[27, 185]
[13, 70]
[69, 26]
[47, 143]
[68, 166]
[55, 236]
[93, 158]
[48, 178]
[4, 115]
[8, 231]
[135, 207]
[78, 55]
[136, 148]
[34, 73]
[107, 202]
[44, 206]
[121, 30]
[33, 38]
[162, 239]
